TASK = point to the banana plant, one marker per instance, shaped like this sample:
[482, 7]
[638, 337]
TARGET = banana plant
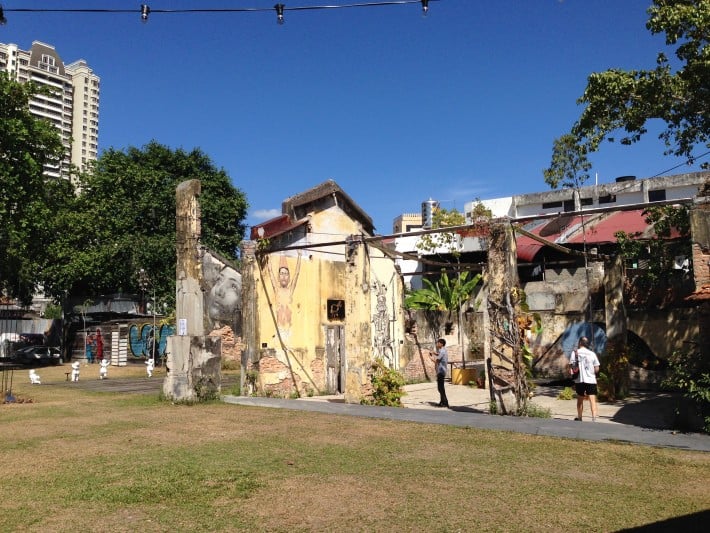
[445, 295]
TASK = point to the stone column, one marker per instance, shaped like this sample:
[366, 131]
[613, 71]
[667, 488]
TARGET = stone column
[615, 319]
[358, 334]
[700, 241]
[250, 324]
[194, 361]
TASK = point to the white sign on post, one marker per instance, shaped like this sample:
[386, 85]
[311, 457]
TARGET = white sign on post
[182, 327]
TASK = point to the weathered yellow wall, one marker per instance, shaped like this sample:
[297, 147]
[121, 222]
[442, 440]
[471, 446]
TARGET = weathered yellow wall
[296, 348]
[292, 310]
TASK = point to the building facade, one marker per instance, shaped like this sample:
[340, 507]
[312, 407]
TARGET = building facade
[322, 300]
[563, 245]
[73, 106]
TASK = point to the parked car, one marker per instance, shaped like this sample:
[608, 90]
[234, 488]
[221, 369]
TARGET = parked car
[37, 355]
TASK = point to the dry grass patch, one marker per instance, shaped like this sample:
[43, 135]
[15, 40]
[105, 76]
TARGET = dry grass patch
[129, 462]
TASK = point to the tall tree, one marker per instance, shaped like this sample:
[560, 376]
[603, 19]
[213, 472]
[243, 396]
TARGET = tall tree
[123, 220]
[569, 168]
[28, 200]
[628, 99]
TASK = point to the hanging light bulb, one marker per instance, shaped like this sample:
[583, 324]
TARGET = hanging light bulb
[425, 7]
[145, 11]
[279, 13]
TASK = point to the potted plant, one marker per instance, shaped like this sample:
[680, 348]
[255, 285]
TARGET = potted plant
[481, 380]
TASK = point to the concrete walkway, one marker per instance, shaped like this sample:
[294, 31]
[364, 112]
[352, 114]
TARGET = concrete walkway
[643, 418]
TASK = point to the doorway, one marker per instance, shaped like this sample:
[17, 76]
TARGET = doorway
[335, 359]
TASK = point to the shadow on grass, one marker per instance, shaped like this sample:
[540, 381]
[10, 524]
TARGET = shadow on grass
[686, 523]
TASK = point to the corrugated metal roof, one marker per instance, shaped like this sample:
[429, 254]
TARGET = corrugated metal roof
[555, 230]
[602, 229]
[599, 228]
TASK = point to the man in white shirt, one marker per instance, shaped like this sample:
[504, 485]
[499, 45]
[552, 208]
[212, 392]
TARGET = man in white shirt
[584, 367]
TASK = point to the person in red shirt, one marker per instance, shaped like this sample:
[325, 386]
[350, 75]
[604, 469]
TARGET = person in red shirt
[99, 345]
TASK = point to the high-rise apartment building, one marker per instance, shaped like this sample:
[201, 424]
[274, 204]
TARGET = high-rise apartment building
[73, 106]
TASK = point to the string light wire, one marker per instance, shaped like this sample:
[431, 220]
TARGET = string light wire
[145, 10]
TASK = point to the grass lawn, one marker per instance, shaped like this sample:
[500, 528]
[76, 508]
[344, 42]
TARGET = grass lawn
[75, 460]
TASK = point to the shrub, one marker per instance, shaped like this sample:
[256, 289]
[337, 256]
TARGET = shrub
[387, 386]
[690, 374]
[566, 394]
[535, 411]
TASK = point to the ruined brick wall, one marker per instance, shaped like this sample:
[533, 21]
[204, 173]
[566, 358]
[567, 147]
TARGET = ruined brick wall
[701, 265]
[276, 378]
[232, 346]
[419, 366]
[700, 235]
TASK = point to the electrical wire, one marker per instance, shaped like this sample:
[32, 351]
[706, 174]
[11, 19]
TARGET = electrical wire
[145, 10]
[688, 162]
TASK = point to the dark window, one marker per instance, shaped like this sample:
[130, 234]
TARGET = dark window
[657, 196]
[586, 201]
[607, 199]
[550, 205]
[569, 206]
[336, 309]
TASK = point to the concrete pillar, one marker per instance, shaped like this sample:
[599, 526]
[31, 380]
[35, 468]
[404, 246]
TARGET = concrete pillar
[194, 361]
[615, 319]
[615, 312]
[250, 322]
[358, 327]
[700, 240]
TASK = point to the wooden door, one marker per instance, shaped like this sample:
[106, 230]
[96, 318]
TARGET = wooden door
[335, 359]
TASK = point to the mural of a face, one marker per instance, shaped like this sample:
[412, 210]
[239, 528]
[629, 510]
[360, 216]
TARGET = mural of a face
[284, 277]
[222, 286]
[225, 296]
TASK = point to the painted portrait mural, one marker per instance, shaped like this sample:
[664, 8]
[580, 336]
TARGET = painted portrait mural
[283, 283]
[222, 287]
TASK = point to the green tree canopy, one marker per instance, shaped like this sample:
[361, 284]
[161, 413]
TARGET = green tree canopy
[123, 219]
[450, 241]
[28, 200]
[569, 167]
[680, 97]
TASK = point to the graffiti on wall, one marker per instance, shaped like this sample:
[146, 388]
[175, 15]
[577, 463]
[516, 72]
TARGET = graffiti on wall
[381, 321]
[142, 342]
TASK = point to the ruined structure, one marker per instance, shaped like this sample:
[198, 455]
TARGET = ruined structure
[193, 363]
[566, 244]
[321, 300]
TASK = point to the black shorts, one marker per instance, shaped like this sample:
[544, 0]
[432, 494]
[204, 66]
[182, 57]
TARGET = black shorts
[586, 389]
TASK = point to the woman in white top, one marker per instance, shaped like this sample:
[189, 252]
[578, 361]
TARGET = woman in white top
[584, 367]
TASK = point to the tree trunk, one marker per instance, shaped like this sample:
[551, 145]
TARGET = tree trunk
[506, 368]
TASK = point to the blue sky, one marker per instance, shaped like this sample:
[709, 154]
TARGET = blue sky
[396, 107]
